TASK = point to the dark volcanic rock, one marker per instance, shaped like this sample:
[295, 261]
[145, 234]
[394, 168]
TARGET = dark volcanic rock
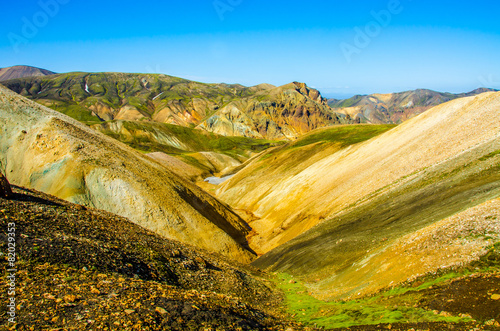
[79, 269]
[5, 190]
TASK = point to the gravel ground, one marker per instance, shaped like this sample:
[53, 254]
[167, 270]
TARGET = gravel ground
[85, 269]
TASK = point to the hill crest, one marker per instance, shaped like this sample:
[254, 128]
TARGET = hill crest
[21, 71]
[262, 111]
[395, 107]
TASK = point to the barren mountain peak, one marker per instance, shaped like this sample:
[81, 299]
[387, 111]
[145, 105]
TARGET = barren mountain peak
[21, 71]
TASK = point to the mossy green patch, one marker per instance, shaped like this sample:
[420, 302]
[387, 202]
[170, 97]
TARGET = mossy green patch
[347, 102]
[490, 155]
[77, 112]
[344, 135]
[383, 308]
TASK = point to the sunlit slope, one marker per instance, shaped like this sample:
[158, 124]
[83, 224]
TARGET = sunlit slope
[287, 203]
[252, 189]
[43, 149]
[432, 167]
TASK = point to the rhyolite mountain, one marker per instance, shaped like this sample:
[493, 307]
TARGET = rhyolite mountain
[285, 112]
[45, 150]
[339, 215]
[22, 71]
[395, 107]
[261, 111]
[122, 96]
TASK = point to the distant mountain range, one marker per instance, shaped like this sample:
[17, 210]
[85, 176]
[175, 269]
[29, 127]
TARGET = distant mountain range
[261, 111]
[22, 71]
[395, 107]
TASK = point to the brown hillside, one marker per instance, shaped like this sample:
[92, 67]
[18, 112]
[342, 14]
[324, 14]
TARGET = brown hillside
[285, 112]
[21, 72]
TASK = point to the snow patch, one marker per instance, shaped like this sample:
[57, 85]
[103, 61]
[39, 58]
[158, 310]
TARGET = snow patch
[409, 104]
[157, 96]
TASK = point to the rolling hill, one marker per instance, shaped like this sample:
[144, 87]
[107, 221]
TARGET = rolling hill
[49, 151]
[108, 96]
[395, 107]
[272, 190]
[416, 199]
[22, 72]
[191, 153]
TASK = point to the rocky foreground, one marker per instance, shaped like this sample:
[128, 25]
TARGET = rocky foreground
[86, 269]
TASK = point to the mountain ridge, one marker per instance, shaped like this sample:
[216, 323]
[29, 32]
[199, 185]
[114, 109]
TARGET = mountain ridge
[261, 111]
[285, 112]
[380, 108]
[113, 95]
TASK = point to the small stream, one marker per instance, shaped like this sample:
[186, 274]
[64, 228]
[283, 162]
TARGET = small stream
[217, 180]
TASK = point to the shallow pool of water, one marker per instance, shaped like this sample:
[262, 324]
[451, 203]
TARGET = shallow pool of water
[217, 180]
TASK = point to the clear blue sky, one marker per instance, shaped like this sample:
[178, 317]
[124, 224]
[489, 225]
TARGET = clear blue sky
[442, 45]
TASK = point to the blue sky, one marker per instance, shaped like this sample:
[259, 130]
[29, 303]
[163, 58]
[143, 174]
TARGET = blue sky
[341, 48]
